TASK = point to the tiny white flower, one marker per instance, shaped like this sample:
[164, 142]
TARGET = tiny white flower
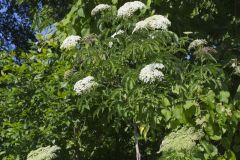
[44, 153]
[151, 73]
[117, 33]
[233, 65]
[84, 85]
[152, 23]
[197, 43]
[152, 36]
[70, 41]
[110, 44]
[128, 9]
[100, 8]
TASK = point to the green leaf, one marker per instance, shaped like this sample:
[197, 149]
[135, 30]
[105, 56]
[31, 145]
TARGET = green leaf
[214, 131]
[209, 148]
[80, 12]
[224, 96]
[237, 114]
[145, 131]
[189, 104]
[176, 89]
[230, 155]
[114, 2]
[141, 129]
[149, 2]
[165, 102]
[237, 95]
[179, 114]
[63, 84]
[209, 99]
[166, 113]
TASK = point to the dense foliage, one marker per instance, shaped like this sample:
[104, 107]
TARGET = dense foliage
[154, 91]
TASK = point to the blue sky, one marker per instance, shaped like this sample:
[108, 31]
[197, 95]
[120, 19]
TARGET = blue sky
[21, 21]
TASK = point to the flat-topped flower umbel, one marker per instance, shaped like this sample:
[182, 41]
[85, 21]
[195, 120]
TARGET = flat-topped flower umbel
[70, 42]
[44, 153]
[128, 9]
[99, 8]
[196, 44]
[182, 140]
[153, 23]
[84, 85]
[151, 73]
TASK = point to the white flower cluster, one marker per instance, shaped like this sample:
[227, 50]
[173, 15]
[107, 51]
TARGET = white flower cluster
[152, 23]
[44, 153]
[197, 43]
[128, 9]
[70, 41]
[100, 8]
[181, 140]
[117, 33]
[151, 73]
[84, 85]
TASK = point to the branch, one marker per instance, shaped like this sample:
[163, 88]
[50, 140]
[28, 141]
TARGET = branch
[138, 155]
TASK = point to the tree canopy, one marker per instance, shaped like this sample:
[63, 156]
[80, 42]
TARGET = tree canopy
[151, 79]
[15, 26]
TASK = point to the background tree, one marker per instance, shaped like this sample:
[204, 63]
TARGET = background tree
[15, 26]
